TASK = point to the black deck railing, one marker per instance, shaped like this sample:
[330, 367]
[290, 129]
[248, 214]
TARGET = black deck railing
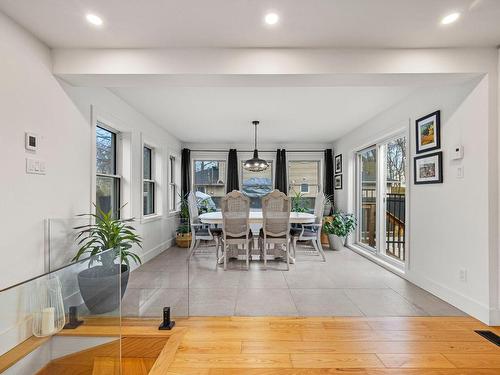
[395, 218]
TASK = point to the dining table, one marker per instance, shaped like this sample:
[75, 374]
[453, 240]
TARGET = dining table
[255, 219]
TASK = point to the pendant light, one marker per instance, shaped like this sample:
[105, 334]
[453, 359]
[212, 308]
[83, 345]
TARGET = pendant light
[255, 164]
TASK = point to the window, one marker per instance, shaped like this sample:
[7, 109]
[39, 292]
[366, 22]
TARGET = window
[172, 199]
[107, 180]
[209, 181]
[257, 184]
[303, 179]
[148, 204]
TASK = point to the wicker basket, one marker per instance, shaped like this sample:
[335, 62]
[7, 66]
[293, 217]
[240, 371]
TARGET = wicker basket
[183, 239]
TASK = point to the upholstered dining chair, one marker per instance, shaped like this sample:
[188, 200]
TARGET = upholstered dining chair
[199, 231]
[311, 232]
[276, 224]
[235, 209]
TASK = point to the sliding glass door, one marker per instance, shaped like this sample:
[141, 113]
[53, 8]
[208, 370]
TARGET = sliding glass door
[367, 210]
[381, 196]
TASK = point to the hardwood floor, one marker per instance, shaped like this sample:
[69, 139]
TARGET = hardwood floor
[286, 346]
[349, 346]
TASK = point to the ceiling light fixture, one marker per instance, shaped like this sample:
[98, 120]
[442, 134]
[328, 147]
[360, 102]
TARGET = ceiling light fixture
[450, 18]
[255, 164]
[93, 19]
[271, 18]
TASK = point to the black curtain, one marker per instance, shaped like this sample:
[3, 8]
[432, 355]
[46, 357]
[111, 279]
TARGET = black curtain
[280, 181]
[232, 171]
[329, 177]
[185, 172]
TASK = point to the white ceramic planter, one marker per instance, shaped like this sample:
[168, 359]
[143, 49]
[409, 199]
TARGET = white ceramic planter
[336, 242]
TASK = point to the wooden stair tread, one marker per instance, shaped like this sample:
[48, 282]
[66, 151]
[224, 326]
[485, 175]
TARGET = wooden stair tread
[130, 366]
[20, 351]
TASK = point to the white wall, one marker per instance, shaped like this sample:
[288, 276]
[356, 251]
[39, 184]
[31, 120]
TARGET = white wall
[99, 103]
[448, 223]
[31, 99]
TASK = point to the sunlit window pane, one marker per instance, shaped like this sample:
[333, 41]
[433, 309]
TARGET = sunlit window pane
[255, 185]
[209, 181]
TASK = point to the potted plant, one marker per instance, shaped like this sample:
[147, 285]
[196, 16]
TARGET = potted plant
[338, 229]
[104, 241]
[327, 217]
[299, 204]
[183, 233]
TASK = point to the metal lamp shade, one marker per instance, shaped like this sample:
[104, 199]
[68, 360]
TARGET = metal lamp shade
[256, 164]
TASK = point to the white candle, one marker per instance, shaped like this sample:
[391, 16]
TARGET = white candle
[48, 320]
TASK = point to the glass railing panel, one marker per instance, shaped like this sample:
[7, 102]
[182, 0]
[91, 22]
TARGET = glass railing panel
[84, 297]
[61, 246]
[161, 280]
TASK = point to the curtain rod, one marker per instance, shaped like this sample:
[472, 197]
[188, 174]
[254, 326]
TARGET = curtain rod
[259, 150]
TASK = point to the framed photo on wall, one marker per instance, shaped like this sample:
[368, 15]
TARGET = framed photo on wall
[428, 132]
[338, 164]
[338, 182]
[428, 169]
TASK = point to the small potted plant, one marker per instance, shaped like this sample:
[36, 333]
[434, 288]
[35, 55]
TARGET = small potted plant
[183, 233]
[104, 241]
[299, 203]
[339, 228]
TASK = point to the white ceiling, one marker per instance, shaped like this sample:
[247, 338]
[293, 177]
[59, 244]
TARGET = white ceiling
[287, 114]
[238, 23]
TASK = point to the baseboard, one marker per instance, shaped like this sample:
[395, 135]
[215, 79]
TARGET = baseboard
[494, 317]
[468, 305]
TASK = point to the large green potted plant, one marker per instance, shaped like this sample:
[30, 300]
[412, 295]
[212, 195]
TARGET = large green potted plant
[104, 241]
[339, 228]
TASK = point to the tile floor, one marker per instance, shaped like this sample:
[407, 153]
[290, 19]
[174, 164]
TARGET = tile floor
[345, 285]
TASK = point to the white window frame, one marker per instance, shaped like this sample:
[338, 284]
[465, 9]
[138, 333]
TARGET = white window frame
[378, 254]
[173, 188]
[320, 162]
[215, 157]
[103, 124]
[153, 170]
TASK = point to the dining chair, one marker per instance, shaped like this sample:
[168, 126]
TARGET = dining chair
[200, 232]
[235, 209]
[276, 224]
[311, 232]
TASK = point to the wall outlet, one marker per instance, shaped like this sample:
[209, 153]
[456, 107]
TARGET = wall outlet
[462, 275]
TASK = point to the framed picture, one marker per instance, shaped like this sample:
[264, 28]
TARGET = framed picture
[428, 169]
[338, 182]
[428, 132]
[338, 164]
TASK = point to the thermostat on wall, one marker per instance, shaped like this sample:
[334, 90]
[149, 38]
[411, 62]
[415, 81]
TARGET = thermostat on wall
[31, 141]
[458, 152]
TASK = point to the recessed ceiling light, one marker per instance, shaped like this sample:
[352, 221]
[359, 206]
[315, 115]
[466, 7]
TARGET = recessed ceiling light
[450, 18]
[271, 18]
[93, 19]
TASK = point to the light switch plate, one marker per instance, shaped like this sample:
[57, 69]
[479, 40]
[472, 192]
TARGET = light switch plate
[35, 166]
